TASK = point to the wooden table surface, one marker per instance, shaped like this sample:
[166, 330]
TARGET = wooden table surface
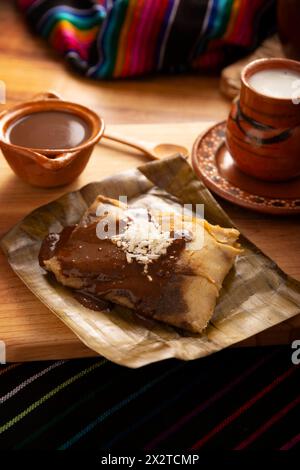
[28, 67]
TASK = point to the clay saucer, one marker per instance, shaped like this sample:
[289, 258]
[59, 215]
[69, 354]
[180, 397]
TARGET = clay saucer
[214, 165]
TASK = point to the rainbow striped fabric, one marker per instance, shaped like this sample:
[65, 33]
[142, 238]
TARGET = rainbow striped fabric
[126, 38]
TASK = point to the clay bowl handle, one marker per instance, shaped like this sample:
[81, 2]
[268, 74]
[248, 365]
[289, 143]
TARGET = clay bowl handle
[48, 95]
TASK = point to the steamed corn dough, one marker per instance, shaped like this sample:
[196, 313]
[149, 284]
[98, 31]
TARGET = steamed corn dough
[178, 286]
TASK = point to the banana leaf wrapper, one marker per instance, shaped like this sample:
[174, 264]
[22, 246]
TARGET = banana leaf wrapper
[256, 294]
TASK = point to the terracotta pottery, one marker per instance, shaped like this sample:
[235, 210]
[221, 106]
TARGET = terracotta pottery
[263, 132]
[49, 167]
[214, 165]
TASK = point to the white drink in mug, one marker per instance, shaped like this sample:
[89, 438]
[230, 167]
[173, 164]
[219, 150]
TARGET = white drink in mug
[276, 83]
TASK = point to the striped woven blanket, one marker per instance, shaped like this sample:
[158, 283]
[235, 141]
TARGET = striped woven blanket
[125, 38]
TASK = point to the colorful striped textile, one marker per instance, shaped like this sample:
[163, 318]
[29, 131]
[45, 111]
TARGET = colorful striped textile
[242, 399]
[126, 38]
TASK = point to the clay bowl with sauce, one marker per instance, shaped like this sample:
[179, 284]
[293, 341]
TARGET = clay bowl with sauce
[48, 141]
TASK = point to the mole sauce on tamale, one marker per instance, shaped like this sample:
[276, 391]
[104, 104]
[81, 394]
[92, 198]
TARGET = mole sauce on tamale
[103, 267]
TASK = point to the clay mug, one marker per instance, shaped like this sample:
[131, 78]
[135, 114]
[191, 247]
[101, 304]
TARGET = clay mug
[263, 131]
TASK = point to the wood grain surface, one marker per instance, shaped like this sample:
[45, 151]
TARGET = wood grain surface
[28, 67]
[30, 331]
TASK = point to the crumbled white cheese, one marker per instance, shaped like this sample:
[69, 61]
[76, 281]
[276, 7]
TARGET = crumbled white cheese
[143, 240]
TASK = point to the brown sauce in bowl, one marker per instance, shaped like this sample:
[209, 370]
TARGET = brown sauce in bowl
[49, 130]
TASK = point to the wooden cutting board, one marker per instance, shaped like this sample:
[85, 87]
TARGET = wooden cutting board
[31, 332]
